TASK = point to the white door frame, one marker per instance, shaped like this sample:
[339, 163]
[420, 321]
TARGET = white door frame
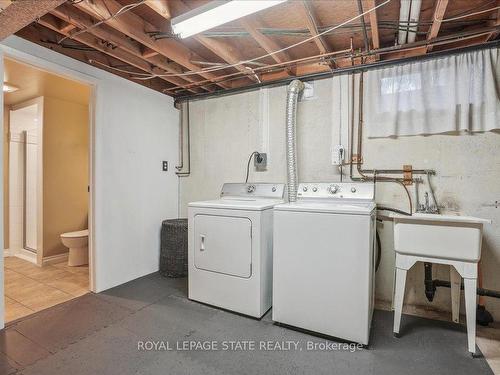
[94, 83]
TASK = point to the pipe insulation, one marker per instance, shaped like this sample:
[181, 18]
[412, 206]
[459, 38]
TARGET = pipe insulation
[292, 97]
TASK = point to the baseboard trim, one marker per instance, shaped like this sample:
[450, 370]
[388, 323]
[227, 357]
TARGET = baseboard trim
[55, 259]
[24, 254]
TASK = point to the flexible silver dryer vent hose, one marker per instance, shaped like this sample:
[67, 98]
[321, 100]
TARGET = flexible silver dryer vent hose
[292, 97]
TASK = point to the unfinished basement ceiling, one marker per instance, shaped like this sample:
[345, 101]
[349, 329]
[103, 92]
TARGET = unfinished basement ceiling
[133, 39]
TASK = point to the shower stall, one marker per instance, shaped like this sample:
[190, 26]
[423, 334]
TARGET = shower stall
[24, 178]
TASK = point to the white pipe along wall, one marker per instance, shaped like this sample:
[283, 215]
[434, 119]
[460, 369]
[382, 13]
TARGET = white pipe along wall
[135, 129]
[225, 130]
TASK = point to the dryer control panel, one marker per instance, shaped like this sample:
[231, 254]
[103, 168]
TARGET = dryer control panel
[260, 190]
[337, 190]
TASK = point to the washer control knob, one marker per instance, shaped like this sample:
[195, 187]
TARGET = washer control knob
[353, 189]
[315, 189]
[304, 189]
[273, 189]
[250, 188]
[333, 189]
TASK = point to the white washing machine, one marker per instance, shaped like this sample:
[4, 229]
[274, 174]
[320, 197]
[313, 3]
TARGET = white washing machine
[323, 263]
[231, 248]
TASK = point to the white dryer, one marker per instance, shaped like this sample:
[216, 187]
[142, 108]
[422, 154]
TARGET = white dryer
[231, 248]
[323, 264]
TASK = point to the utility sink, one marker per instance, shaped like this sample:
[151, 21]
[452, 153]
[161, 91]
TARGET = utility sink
[439, 236]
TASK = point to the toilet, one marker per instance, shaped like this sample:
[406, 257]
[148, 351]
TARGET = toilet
[77, 242]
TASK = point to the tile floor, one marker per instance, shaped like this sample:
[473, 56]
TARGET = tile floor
[29, 288]
[99, 334]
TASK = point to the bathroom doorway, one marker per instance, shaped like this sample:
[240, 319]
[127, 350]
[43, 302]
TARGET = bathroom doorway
[46, 189]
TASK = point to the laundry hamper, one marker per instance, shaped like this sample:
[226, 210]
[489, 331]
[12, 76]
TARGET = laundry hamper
[174, 248]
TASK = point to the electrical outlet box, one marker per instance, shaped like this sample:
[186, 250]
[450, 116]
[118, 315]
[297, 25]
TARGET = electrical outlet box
[260, 162]
[164, 166]
[308, 92]
[338, 155]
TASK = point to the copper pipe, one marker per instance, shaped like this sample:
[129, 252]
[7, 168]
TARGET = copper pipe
[323, 57]
[339, 71]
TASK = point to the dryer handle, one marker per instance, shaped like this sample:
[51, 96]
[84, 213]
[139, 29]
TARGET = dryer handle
[202, 242]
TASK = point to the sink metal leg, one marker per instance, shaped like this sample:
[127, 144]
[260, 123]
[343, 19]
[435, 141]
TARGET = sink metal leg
[456, 282]
[399, 295]
[470, 310]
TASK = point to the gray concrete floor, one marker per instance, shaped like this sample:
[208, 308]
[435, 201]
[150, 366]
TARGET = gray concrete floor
[99, 334]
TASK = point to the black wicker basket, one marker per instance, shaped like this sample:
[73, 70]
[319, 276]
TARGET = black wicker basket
[174, 248]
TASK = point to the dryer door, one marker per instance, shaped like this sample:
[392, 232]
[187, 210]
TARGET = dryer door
[223, 244]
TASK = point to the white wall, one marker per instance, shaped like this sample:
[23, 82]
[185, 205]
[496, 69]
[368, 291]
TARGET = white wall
[225, 130]
[134, 130]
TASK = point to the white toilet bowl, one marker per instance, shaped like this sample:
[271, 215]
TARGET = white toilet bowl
[77, 242]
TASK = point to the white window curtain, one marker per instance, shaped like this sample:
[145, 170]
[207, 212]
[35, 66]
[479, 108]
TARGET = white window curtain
[451, 94]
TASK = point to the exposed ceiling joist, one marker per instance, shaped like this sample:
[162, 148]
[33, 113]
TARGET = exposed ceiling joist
[226, 53]
[43, 35]
[50, 22]
[161, 7]
[133, 26]
[437, 17]
[139, 40]
[305, 8]
[21, 13]
[251, 26]
[67, 28]
[222, 49]
[83, 21]
[374, 24]
[4, 4]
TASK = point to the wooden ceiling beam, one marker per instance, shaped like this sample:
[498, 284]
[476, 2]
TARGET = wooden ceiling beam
[438, 15]
[83, 21]
[148, 53]
[306, 10]
[51, 22]
[226, 52]
[67, 28]
[251, 26]
[41, 35]
[4, 4]
[134, 26]
[161, 7]
[374, 24]
[221, 49]
[20, 14]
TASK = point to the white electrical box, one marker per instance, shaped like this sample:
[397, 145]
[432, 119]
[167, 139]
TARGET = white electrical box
[308, 93]
[338, 154]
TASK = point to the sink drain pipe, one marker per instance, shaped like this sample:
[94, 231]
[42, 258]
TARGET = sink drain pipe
[483, 316]
[431, 285]
[292, 97]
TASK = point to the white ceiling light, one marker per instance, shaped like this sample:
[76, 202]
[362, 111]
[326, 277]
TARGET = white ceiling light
[7, 87]
[217, 13]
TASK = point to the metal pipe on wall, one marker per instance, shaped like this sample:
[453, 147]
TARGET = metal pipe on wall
[364, 174]
[292, 96]
[180, 167]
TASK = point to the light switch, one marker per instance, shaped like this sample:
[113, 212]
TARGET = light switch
[165, 165]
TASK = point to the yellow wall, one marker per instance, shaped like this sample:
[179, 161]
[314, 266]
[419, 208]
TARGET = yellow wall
[65, 171]
[5, 177]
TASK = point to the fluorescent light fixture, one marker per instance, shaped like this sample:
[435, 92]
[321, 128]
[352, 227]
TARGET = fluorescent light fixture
[7, 87]
[217, 13]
